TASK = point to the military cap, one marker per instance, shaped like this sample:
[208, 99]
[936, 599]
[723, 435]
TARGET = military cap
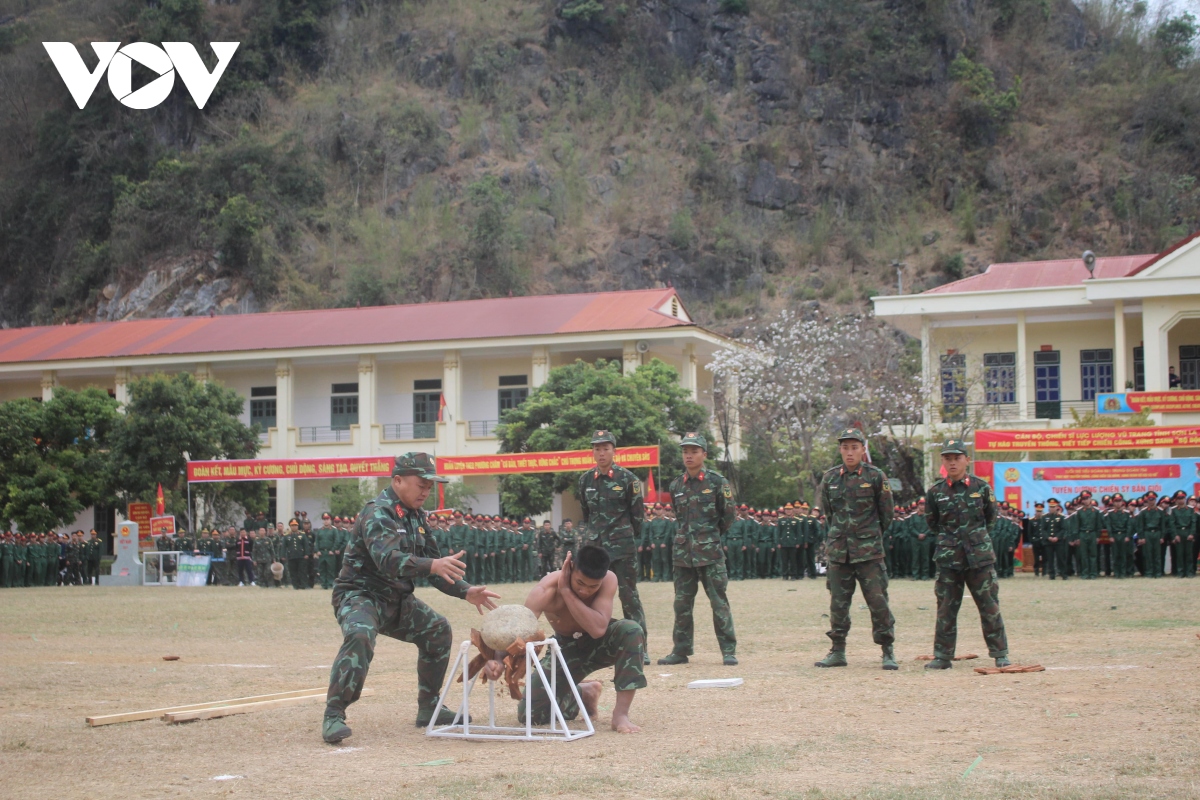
[852, 433]
[694, 439]
[1054, 501]
[1151, 493]
[954, 446]
[527, 519]
[600, 437]
[419, 464]
[1085, 494]
[1117, 496]
[658, 505]
[295, 522]
[1178, 494]
[1039, 505]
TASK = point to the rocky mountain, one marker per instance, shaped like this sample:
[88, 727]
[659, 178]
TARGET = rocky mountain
[752, 153]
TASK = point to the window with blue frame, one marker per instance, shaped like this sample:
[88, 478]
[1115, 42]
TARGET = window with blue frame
[1095, 372]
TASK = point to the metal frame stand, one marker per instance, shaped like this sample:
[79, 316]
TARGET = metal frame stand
[557, 730]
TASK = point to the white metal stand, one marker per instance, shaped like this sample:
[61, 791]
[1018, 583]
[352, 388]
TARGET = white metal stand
[463, 728]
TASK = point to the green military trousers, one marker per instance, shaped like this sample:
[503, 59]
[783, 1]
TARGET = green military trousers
[986, 592]
[872, 577]
[715, 581]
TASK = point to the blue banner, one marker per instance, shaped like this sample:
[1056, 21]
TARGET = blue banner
[1024, 483]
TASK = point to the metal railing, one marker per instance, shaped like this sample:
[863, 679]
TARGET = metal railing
[482, 428]
[408, 431]
[985, 413]
[324, 433]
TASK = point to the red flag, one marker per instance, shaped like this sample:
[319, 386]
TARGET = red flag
[162, 506]
[441, 406]
[441, 496]
[651, 494]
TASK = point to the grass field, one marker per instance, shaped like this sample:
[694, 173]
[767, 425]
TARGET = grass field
[1114, 715]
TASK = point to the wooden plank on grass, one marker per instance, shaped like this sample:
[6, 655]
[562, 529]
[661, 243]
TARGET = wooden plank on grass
[155, 713]
[246, 708]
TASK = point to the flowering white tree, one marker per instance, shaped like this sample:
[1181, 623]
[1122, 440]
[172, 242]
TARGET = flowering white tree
[801, 379]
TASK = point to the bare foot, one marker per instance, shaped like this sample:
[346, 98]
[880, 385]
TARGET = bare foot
[622, 724]
[589, 691]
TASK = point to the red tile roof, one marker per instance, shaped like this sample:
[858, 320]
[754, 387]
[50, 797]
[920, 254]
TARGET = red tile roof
[1154, 259]
[426, 322]
[1043, 274]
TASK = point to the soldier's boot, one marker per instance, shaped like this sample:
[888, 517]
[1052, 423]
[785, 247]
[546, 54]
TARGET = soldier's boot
[645, 659]
[940, 663]
[672, 659]
[445, 717]
[1003, 661]
[334, 729]
[835, 658]
[889, 658]
[730, 660]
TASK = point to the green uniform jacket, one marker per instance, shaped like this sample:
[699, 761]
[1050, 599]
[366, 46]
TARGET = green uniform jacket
[704, 510]
[612, 510]
[390, 547]
[960, 513]
[859, 506]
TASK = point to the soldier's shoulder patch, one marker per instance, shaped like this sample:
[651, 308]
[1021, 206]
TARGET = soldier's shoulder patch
[727, 492]
[637, 487]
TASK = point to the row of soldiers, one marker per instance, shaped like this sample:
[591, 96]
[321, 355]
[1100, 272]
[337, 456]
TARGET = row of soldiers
[1115, 537]
[50, 559]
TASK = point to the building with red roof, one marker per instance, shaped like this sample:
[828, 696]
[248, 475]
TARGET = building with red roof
[1022, 345]
[371, 381]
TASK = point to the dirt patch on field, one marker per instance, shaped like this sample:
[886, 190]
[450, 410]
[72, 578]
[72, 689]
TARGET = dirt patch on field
[1114, 714]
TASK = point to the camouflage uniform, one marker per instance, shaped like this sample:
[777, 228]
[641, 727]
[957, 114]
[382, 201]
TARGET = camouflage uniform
[389, 548]
[859, 506]
[961, 513]
[612, 518]
[621, 647]
[704, 510]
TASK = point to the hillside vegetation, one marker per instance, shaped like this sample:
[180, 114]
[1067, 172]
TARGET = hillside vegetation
[751, 153]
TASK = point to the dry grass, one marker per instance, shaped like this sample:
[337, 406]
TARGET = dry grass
[1114, 715]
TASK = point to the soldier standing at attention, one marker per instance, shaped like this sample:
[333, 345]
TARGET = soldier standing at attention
[1151, 525]
[567, 539]
[1054, 531]
[921, 538]
[611, 499]
[388, 550]
[656, 531]
[1033, 529]
[326, 543]
[1119, 525]
[1088, 523]
[703, 504]
[857, 500]
[1182, 536]
[960, 509]
[547, 543]
[295, 546]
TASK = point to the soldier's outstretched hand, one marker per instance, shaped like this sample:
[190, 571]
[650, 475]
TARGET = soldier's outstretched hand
[481, 597]
[449, 567]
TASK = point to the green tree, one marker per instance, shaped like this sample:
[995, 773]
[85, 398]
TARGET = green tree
[347, 498]
[52, 457]
[169, 420]
[646, 408]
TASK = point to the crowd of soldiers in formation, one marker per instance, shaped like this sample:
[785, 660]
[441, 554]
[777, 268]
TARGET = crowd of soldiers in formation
[1114, 538]
[50, 559]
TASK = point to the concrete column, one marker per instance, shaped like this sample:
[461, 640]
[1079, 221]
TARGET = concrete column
[733, 415]
[283, 410]
[1022, 369]
[631, 359]
[285, 490]
[49, 381]
[1120, 359]
[687, 376]
[366, 403]
[930, 388]
[121, 387]
[1155, 319]
[452, 413]
[540, 368]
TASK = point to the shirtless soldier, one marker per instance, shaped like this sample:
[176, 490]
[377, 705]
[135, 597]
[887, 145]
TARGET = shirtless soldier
[578, 603]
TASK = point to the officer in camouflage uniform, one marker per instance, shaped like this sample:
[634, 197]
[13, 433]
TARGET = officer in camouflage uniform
[547, 543]
[704, 510]
[657, 529]
[568, 539]
[858, 502]
[373, 594]
[613, 510]
[1119, 525]
[326, 542]
[960, 509]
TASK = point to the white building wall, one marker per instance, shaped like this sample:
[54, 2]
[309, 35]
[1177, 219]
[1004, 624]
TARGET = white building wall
[313, 387]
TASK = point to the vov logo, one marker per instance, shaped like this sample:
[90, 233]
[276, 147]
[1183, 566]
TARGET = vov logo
[167, 60]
